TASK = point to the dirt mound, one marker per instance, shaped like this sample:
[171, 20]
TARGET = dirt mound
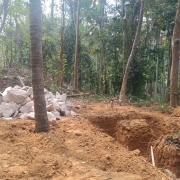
[11, 82]
[167, 153]
[75, 148]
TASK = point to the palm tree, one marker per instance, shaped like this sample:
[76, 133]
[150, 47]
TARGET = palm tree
[41, 119]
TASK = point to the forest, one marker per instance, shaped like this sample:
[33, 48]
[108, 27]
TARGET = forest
[118, 53]
[86, 45]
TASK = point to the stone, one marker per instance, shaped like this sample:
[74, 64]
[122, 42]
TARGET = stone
[47, 96]
[1, 99]
[18, 102]
[52, 96]
[30, 91]
[78, 107]
[25, 88]
[17, 87]
[8, 109]
[6, 90]
[56, 114]
[64, 111]
[83, 106]
[4, 94]
[73, 113]
[27, 100]
[23, 116]
[56, 106]
[136, 152]
[32, 97]
[61, 103]
[51, 116]
[62, 97]
[50, 107]
[57, 94]
[68, 104]
[17, 96]
[31, 116]
[10, 118]
[49, 101]
[45, 90]
[27, 107]
[15, 113]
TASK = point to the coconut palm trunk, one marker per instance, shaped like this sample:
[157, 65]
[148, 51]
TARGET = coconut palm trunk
[41, 120]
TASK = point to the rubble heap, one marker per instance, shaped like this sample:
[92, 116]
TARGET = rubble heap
[18, 102]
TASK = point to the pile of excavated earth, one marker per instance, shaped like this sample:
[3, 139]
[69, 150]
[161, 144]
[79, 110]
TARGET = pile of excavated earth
[102, 141]
[18, 102]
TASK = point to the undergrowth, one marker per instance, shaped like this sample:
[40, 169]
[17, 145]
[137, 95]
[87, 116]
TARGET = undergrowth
[147, 102]
[156, 105]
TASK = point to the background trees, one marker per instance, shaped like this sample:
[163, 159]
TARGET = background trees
[175, 60]
[106, 34]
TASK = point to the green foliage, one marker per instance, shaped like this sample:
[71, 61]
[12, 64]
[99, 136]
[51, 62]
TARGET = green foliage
[103, 52]
[54, 88]
[98, 98]
[69, 48]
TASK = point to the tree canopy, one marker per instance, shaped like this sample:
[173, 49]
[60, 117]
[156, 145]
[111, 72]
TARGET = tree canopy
[106, 34]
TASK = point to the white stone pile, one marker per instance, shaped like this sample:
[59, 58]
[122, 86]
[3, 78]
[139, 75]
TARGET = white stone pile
[18, 102]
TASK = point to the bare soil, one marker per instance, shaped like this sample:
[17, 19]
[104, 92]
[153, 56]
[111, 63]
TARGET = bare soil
[99, 143]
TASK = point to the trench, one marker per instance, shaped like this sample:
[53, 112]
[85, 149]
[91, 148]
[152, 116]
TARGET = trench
[135, 130]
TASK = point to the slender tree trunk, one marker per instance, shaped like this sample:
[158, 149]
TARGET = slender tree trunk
[76, 49]
[175, 61]
[156, 80]
[122, 97]
[148, 83]
[169, 71]
[5, 7]
[102, 48]
[3, 59]
[22, 61]
[123, 34]
[41, 120]
[163, 79]
[62, 50]
[52, 11]
[11, 60]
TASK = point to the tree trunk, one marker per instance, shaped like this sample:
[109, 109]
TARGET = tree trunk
[41, 120]
[76, 49]
[62, 50]
[156, 80]
[175, 61]
[52, 12]
[102, 48]
[123, 34]
[122, 97]
[164, 77]
[169, 71]
[5, 7]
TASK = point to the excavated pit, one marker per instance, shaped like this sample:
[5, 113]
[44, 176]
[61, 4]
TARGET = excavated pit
[136, 130]
[167, 153]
